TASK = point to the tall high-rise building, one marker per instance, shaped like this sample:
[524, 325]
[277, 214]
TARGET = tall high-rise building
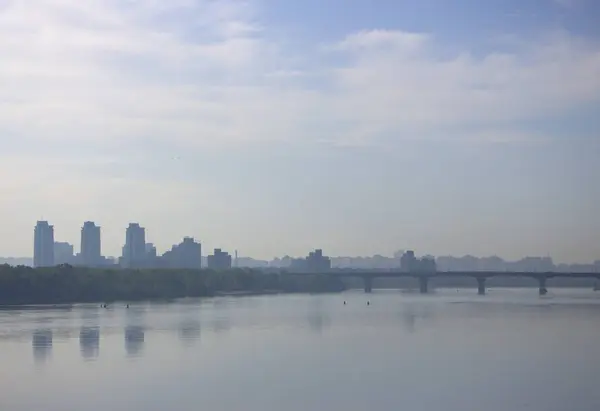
[91, 245]
[43, 245]
[134, 251]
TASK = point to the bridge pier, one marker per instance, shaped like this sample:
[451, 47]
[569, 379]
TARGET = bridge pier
[543, 290]
[481, 285]
[423, 284]
[368, 281]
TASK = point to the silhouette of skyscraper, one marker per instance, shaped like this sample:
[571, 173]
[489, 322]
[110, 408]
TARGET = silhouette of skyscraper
[134, 251]
[91, 246]
[43, 245]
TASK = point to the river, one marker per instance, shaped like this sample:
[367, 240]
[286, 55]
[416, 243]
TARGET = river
[390, 350]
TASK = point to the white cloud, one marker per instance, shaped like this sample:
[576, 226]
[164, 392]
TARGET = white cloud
[387, 91]
[205, 72]
[99, 69]
[370, 39]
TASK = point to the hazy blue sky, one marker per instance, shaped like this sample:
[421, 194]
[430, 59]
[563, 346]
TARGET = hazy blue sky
[273, 127]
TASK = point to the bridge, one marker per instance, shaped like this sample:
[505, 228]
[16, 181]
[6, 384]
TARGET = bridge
[480, 276]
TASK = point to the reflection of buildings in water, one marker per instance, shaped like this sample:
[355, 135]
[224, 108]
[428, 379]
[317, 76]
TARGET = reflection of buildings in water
[90, 314]
[410, 320]
[318, 320]
[221, 324]
[134, 339]
[135, 313]
[62, 334]
[42, 345]
[189, 331]
[89, 342]
[134, 332]
[412, 315]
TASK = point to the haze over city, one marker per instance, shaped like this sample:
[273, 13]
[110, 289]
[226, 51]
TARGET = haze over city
[269, 128]
[330, 205]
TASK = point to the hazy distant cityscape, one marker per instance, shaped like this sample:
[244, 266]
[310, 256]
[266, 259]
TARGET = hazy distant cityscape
[137, 253]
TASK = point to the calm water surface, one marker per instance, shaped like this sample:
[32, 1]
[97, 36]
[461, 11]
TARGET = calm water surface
[452, 350]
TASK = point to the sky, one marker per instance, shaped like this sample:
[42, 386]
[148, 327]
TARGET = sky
[275, 127]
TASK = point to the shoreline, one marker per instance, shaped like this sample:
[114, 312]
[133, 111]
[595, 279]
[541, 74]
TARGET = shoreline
[70, 285]
[219, 294]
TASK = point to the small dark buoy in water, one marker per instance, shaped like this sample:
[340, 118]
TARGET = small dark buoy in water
[368, 302]
[127, 305]
[344, 302]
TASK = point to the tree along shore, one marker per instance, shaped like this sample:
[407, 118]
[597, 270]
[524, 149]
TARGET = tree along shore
[67, 284]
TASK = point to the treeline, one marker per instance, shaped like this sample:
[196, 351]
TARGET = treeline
[68, 284]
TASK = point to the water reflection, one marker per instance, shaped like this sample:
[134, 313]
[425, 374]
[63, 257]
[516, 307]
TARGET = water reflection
[415, 315]
[135, 312]
[335, 356]
[221, 323]
[189, 332]
[135, 330]
[89, 342]
[318, 319]
[410, 319]
[134, 340]
[89, 314]
[42, 345]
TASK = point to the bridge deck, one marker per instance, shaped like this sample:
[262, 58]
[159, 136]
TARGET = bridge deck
[447, 274]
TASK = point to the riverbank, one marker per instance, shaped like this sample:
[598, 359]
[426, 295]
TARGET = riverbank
[67, 284]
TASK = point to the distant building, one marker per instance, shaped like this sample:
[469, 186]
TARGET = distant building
[187, 254]
[426, 265]
[150, 250]
[534, 264]
[315, 262]
[409, 263]
[298, 265]
[219, 260]
[134, 251]
[43, 245]
[91, 248]
[63, 253]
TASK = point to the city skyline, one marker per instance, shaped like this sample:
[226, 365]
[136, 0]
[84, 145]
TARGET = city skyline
[271, 129]
[136, 249]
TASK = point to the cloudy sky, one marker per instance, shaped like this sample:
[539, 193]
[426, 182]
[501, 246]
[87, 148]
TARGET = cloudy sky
[273, 127]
